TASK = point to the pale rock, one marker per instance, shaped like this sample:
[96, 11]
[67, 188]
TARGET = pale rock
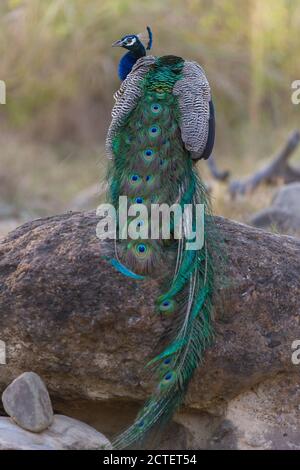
[283, 216]
[26, 400]
[64, 434]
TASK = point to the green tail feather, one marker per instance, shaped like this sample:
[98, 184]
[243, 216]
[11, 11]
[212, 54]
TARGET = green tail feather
[151, 165]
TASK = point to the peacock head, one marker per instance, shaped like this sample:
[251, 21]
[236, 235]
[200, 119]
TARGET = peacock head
[134, 42]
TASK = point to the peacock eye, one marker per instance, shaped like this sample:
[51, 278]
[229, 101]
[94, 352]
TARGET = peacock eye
[134, 178]
[141, 248]
[142, 251]
[156, 108]
[148, 155]
[154, 131]
[168, 376]
[139, 200]
[167, 306]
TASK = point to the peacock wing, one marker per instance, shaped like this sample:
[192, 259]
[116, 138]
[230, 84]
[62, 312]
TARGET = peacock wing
[196, 108]
[127, 97]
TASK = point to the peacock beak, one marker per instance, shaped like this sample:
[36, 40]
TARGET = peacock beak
[118, 43]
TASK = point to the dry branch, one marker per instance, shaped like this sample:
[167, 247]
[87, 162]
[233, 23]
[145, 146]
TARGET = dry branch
[278, 170]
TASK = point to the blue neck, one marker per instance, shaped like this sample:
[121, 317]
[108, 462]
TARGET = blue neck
[127, 62]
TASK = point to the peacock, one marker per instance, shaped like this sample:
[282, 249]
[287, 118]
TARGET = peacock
[163, 121]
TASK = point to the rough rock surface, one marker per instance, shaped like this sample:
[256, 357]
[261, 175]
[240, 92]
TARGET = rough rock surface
[64, 434]
[265, 417]
[283, 215]
[69, 316]
[26, 400]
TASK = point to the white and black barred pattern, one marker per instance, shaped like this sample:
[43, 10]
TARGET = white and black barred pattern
[127, 97]
[193, 92]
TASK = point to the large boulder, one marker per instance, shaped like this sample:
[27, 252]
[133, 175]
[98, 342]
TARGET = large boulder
[88, 331]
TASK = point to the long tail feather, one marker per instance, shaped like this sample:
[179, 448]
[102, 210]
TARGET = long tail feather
[152, 165]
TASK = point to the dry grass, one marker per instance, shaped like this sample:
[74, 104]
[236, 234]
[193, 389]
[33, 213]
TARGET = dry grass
[42, 180]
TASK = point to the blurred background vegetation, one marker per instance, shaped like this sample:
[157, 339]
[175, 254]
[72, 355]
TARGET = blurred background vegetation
[61, 72]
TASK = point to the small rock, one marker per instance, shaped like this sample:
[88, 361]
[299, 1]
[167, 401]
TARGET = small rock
[64, 434]
[283, 216]
[26, 400]
[276, 220]
[287, 199]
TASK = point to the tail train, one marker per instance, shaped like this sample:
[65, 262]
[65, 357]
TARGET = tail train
[160, 126]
